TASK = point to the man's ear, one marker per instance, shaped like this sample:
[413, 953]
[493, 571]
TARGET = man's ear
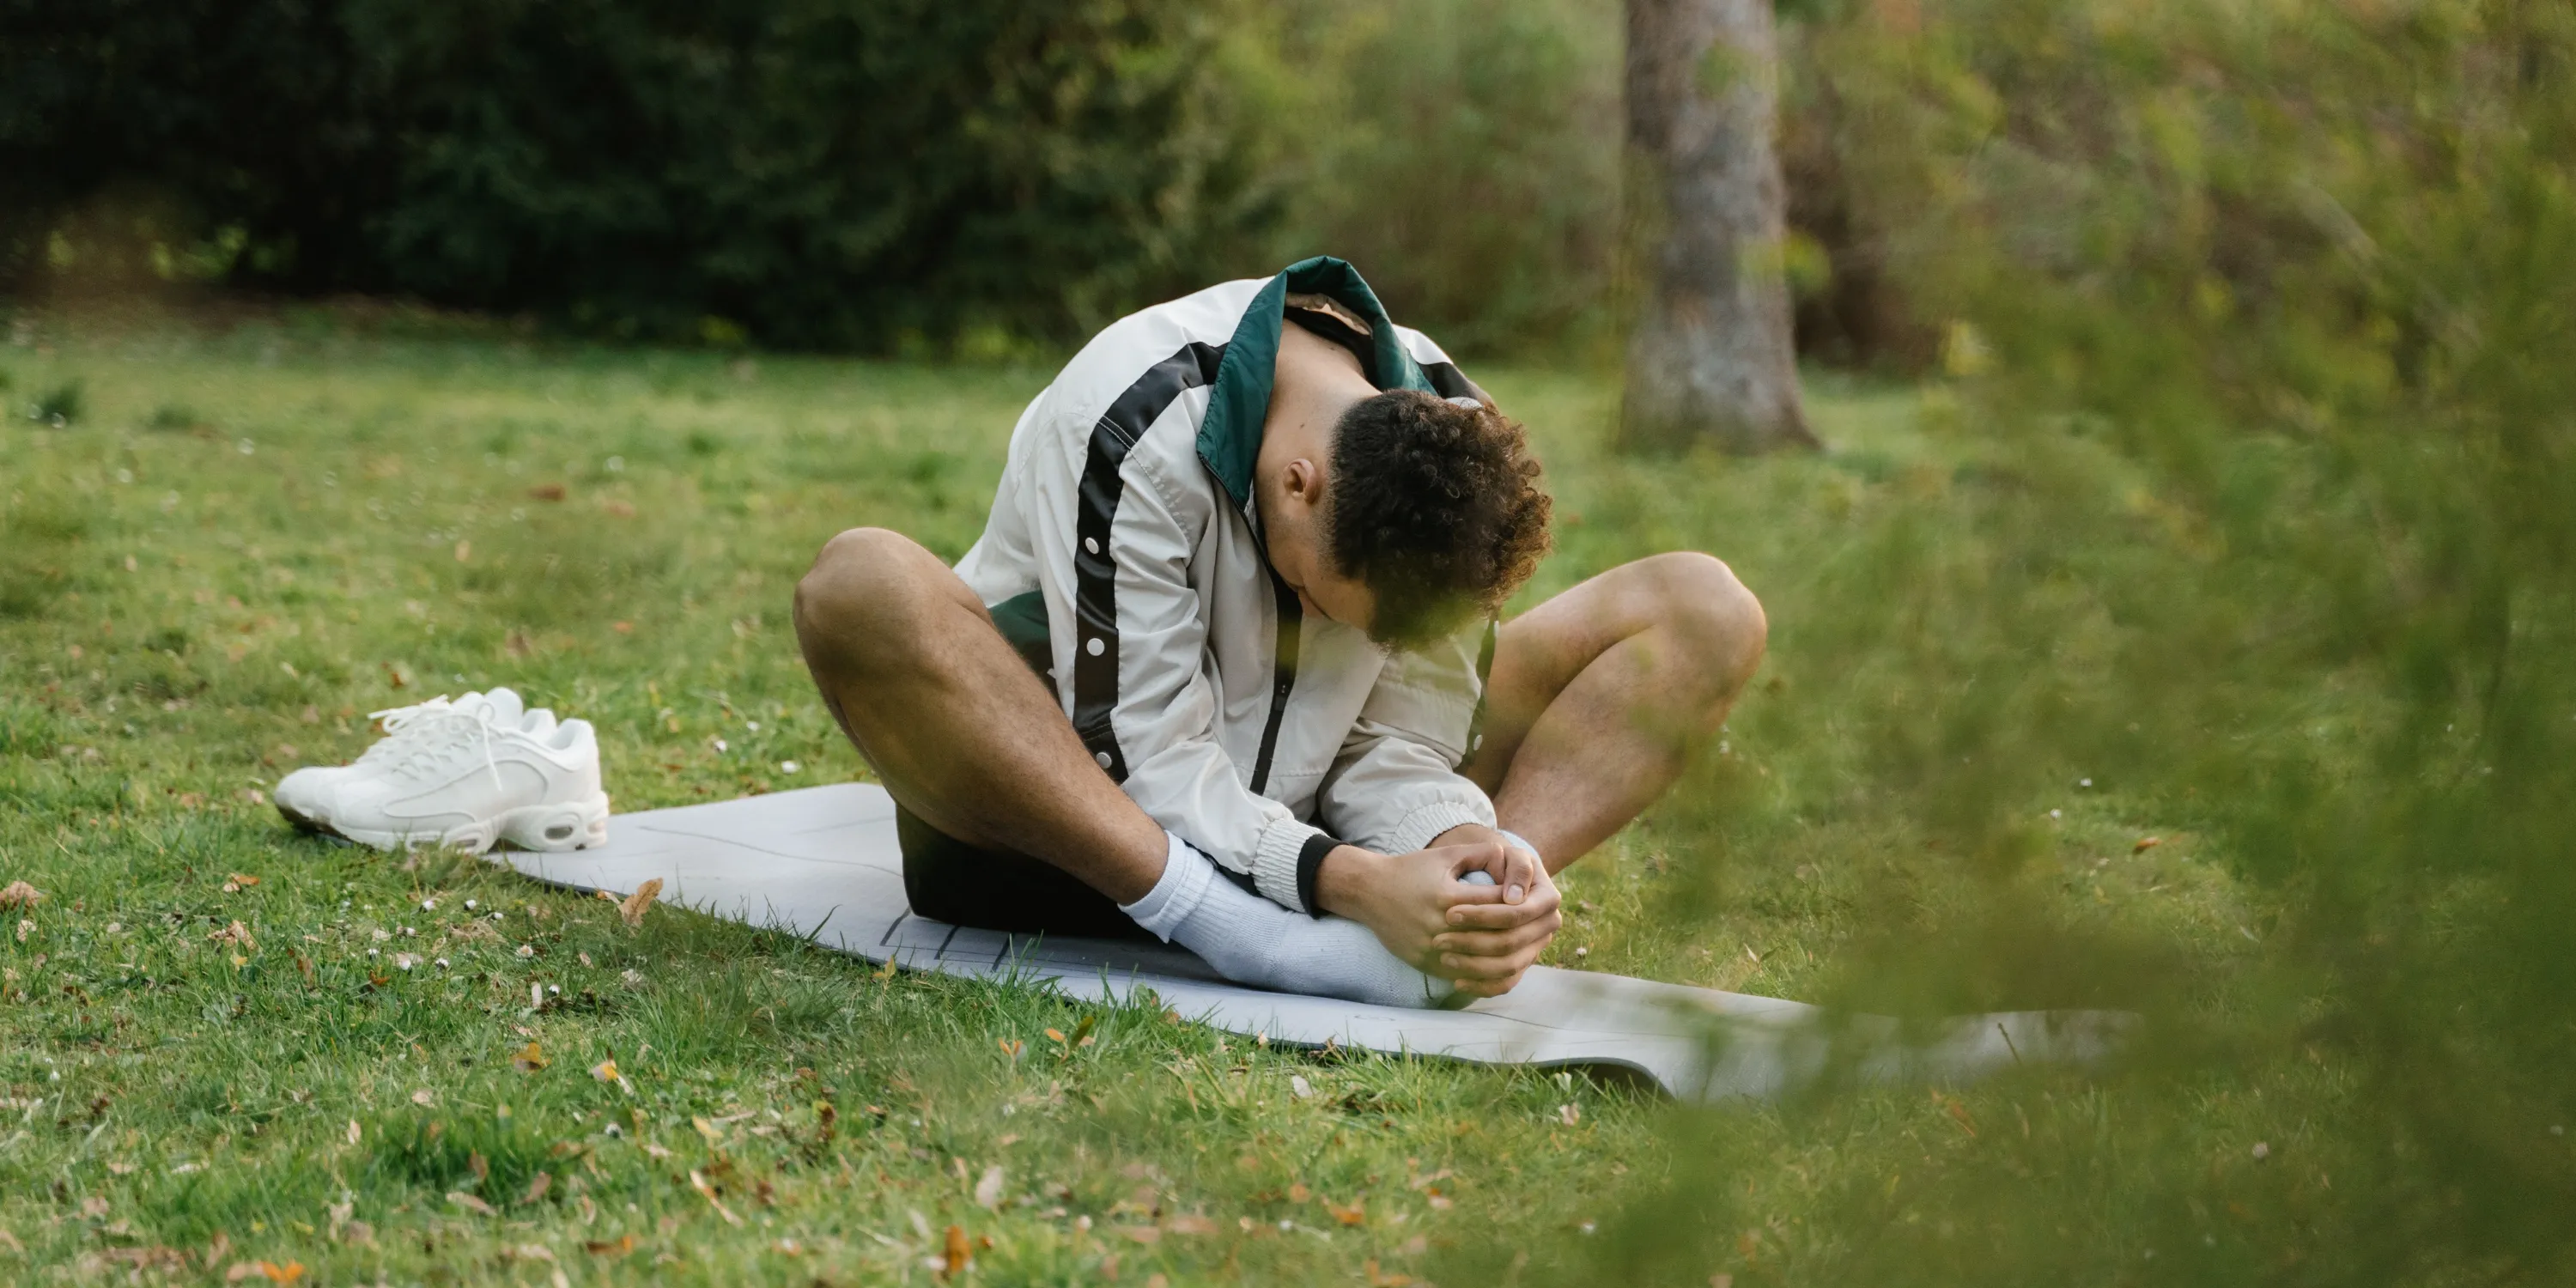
[1304, 480]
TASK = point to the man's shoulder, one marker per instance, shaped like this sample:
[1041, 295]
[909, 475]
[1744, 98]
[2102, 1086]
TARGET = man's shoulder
[1177, 342]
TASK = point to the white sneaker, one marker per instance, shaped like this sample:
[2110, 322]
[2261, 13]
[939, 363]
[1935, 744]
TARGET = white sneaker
[465, 775]
[305, 796]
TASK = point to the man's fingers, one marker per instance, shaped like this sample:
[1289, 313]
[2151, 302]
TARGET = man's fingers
[1453, 966]
[1519, 875]
[1476, 856]
[1497, 943]
[1462, 892]
[1505, 954]
[1487, 987]
[1488, 913]
[1495, 916]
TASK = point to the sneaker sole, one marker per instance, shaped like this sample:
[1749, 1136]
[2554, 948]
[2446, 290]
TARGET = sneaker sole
[551, 828]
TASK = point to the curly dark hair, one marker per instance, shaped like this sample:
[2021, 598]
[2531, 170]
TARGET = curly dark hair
[1436, 507]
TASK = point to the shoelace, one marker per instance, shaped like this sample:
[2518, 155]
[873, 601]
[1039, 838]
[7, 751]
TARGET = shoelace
[403, 727]
[428, 733]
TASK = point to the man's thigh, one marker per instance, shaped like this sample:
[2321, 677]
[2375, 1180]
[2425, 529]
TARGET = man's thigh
[1537, 654]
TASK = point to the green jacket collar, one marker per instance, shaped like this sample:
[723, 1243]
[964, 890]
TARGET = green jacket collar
[1230, 435]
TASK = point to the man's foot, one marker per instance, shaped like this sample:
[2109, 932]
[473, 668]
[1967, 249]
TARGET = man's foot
[1250, 940]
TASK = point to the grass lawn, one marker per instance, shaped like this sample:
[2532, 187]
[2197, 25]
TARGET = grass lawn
[250, 536]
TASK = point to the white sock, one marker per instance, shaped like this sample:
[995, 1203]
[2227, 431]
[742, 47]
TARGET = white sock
[1250, 940]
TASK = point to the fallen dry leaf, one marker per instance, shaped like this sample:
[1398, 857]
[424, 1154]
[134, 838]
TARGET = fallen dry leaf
[988, 1190]
[699, 1183]
[623, 1244]
[1141, 1233]
[471, 1204]
[19, 894]
[537, 1187]
[529, 1059]
[424, 1096]
[354, 1133]
[605, 1070]
[242, 879]
[1187, 1224]
[1384, 1279]
[956, 1254]
[547, 492]
[631, 910]
[236, 934]
[1355, 1214]
[1959, 1114]
[2146, 843]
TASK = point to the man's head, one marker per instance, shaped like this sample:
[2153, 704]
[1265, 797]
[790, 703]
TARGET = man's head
[1429, 513]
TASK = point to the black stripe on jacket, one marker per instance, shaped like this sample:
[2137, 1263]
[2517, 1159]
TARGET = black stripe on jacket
[1449, 382]
[1283, 674]
[1095, 564]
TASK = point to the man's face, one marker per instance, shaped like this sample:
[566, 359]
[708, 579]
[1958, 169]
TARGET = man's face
[1297, 554]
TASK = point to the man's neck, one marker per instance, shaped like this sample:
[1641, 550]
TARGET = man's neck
[1315, 382]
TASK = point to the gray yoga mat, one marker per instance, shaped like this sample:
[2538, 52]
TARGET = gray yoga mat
[822, 863]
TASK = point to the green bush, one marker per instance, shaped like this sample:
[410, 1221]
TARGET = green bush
[811, 172]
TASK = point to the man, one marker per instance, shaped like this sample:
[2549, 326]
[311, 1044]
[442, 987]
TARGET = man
[1225, 662]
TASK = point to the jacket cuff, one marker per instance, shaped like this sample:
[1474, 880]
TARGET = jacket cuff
[1275, 861]
[1310, 867]
[1418, 827]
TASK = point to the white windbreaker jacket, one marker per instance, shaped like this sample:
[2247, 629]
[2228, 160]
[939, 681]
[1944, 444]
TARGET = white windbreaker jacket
[1188, 668]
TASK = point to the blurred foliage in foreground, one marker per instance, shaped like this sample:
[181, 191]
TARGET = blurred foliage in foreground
[2264, 316]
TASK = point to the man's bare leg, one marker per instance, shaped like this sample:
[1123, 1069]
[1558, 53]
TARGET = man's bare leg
[954, 722]
[1599, 696]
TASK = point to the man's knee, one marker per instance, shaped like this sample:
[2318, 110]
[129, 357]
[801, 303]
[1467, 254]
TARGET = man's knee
[1702, 602]
[868, 588]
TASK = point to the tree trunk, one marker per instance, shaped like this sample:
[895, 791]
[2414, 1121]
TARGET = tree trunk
[1711, 358]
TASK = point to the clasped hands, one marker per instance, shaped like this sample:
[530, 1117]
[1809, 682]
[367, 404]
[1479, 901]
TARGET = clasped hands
[1483, 938]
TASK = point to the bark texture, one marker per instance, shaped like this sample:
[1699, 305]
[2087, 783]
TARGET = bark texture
[1711, 358]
